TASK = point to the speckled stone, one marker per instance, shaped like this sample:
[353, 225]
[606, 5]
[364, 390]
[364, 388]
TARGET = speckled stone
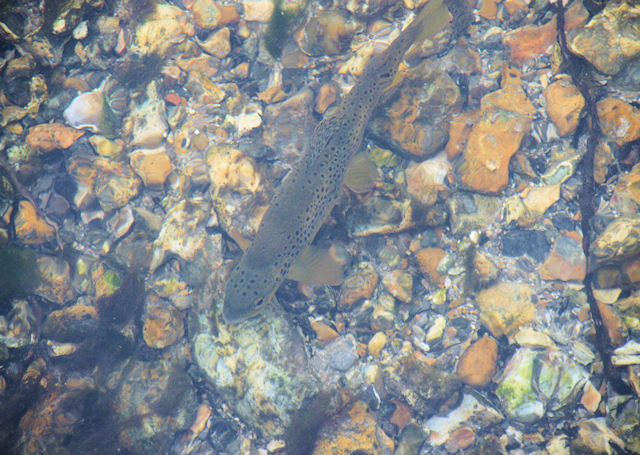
[399, 284]
[355, 430]
[610, 39]
[159, 395]
[51, 136]
[163, 324]
[486, 165]
[259, 367]
[30, 227]
[116, 183]
[620, 121]
[358, 286]
[505, 306]
[619, 241]
[56, 280]
[72, 323]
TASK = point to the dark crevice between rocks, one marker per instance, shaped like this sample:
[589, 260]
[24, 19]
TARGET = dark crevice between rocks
[580, 73]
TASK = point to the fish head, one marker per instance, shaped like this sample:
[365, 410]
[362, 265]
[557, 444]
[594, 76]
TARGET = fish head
[246, 291]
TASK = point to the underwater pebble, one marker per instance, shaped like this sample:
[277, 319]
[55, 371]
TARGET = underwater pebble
[477, 364]
[152, 165]
[505, 306]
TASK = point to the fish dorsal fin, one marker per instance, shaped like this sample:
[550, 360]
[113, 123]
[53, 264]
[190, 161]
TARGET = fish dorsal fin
[431, 19]
[361, 174]
[316, 265]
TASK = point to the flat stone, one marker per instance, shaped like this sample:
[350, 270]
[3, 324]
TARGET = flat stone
[163, 324]
[116, 183]
[428, 260]
[619, 241]
[404, 125]
[51, 136]
[206, 14]
[30, 227]
[426, 179]
[218, 43]
[493, 140]
[257, 10]
[56, 280]
[477, 364]
[355, 430]
[72, 323]
[377, 343]
[505, 306]
[610, 39]
[399, 284]
[564, 105]
[531, 242]
[358, 286]
[566, 262]
[620, 121]
[152, 165]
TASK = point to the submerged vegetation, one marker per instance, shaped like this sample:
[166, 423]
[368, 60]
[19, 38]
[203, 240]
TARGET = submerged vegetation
[18, 272]
[280, 26]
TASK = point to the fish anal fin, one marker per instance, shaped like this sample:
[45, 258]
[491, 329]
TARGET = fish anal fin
[317, 265]
[361, 174]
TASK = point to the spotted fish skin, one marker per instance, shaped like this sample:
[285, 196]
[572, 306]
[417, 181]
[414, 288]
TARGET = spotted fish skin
[312, 187]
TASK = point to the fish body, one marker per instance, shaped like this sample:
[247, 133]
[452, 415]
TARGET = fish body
[312, 187]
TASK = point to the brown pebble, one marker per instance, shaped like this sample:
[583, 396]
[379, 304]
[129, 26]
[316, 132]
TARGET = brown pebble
[478, 363]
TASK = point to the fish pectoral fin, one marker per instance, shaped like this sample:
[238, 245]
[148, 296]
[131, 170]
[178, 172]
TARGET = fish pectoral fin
[361, 174]
[237, 237]
[317, 265]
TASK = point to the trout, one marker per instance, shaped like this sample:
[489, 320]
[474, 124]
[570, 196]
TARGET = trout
[312, 187]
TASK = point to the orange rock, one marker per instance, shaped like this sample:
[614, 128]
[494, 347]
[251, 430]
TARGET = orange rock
[620, 121]
[163, 324]
[324, 332]
[566, 261]
[51, 136]
[478, 363]
[615, 327]
[489, 9]
[459, 131]
[494, 139]
[460, 439]
[272, 95]
[354, 431]
[228, 14]
[511, 97]
[513, 6]
[428, 260]
[505, 306]
[590, 397]
[564, 104]
[357, 287]
[399, 284]
[175, 99]
[531, 41]
[30, 227]
[631, 271]
[402, 415]
[152, 165]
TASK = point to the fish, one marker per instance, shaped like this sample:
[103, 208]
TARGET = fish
[313, 186]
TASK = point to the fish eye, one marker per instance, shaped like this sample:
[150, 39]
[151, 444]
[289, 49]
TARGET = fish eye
[259, 302]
